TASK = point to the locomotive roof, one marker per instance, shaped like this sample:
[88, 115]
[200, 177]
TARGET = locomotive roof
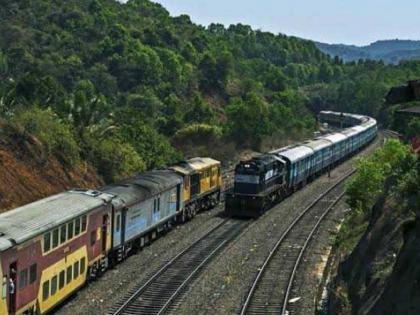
[317, 144]
[26, 222]
[144, 186]
[263, 159]
[296, 153]
[193, 165]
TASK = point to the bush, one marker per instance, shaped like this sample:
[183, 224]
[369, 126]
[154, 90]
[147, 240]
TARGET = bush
[55, 135]
[198, 134]
[115, 160]
[394, 159]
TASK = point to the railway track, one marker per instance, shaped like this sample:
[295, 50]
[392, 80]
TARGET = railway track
[271, 290]
[160, 292]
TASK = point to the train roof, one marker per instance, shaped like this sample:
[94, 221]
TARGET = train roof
[350, 131]
[194, 165]
[334, 137]
[23, 223]
[369, 123]
[294, 154]
[144, 186]
[360, 118]
[258, 163]
[317, 144]
[359, 128]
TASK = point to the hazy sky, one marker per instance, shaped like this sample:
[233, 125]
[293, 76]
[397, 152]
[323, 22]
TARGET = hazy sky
[334, 21]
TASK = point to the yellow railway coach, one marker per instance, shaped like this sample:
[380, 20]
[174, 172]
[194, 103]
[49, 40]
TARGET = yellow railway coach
[202, 184]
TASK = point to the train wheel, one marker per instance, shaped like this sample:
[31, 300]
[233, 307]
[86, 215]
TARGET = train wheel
[182, 218]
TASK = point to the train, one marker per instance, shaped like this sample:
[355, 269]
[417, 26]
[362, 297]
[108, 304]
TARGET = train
[50, 248]
[263, 181]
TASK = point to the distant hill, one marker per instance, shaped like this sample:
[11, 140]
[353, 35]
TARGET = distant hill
[390, 51]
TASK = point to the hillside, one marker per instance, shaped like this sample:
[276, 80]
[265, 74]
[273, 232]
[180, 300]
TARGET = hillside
[26, 177]
[378, 243]
[127, 87]
[390, 51]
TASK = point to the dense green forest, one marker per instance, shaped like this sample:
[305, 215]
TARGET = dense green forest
[127, 87]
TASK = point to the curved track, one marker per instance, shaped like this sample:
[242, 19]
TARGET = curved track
[270, 291]
[161, 290]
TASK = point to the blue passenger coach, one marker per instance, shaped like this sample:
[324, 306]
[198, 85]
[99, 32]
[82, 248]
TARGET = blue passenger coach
[146, 203]
[303, 162]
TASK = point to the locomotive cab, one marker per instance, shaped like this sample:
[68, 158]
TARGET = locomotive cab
[254, 176]
[258, 184]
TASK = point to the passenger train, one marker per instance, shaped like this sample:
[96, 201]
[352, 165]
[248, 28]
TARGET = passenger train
[52, 247]
[265, 180]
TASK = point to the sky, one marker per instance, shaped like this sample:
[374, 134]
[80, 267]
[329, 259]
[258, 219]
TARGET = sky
[355, 22]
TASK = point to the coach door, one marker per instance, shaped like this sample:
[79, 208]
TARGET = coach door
[12, 287]
[123, 220]
[178, 197]
[104, 234]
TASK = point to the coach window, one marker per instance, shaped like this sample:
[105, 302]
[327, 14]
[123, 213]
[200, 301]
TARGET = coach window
[76, 270]
[70, 231]
[32, 273]
[77, 227]
[45, 290]
[53, 285]
[84, 223]
[47, 241]
[82, 265]
[55, 238]
[23, 278]
[69, 274]
[63, 234]
[61, 279]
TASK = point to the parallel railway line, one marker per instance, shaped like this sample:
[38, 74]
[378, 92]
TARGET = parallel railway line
[160, 292]
[273, 285]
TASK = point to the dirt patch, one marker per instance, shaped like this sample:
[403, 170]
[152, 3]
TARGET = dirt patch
[23, 179]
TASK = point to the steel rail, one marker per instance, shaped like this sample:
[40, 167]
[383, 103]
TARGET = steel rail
[284, 236]
[302, 251]
[202, 260]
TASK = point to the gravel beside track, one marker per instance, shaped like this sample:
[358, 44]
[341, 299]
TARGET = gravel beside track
[162, 290]
[272, 288]
[99, 296]
[222, 286]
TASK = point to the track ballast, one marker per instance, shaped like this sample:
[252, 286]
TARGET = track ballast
[271, 290]
[160, 292]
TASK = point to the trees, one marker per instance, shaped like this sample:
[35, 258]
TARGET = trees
[248, 120]
[413, 128]
[393, 160]
[100, 64]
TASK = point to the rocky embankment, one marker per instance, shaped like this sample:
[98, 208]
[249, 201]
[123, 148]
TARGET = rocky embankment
[382, 273]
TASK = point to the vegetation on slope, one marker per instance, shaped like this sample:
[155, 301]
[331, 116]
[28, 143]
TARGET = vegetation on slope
[126, 87]
[379, 239]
